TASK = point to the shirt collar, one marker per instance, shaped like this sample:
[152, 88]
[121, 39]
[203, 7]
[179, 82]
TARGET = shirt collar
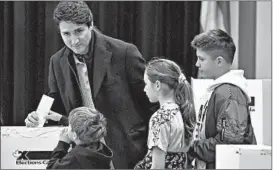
[77, 61]
[90, 51]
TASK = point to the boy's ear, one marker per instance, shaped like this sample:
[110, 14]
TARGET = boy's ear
[220, 60]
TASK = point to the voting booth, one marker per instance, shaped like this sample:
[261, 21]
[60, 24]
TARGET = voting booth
[260, 106]
[243, 157]
[27, 148]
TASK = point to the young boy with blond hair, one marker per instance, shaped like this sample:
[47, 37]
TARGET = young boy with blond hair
[86, 129]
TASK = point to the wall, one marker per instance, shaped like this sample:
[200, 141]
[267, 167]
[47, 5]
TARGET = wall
[251, 29]
[263, 40]
[263, 60]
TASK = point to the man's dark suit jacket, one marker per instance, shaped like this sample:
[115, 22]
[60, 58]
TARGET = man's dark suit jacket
[117, 90]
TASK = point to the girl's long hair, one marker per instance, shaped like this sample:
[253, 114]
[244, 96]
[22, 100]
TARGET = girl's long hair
[169, 73]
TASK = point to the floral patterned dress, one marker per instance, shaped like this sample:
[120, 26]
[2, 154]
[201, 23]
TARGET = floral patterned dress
[166, 131]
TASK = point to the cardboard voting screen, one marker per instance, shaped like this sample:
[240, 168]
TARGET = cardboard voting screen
[27, 148]
[255, 91]
[243, 157]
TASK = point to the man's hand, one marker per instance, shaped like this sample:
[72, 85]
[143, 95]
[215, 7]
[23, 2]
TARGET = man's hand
[53, 116]
[64, 136]
[32, 119]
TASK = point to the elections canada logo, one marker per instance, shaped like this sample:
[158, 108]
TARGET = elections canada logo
[31, 157]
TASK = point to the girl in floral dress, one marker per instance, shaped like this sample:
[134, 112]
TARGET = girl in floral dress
[170, 127]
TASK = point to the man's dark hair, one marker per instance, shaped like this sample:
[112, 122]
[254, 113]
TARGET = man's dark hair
[76, 12]
[215, 42]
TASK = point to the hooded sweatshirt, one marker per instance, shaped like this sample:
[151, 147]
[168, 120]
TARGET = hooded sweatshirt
[80, 157]
[226, 117]
[233, 77]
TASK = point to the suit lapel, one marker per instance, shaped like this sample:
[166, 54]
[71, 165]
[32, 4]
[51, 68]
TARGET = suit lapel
[70, 77]
[65, 64]
[101, 61]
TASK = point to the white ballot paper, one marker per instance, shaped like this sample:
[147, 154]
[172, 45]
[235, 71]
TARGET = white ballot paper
[44, 108]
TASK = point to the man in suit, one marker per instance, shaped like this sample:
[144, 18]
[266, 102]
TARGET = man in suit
[100, 72]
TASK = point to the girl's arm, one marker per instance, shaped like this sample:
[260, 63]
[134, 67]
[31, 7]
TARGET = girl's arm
[158, 156]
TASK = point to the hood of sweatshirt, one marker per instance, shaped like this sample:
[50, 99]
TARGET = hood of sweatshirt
[235, 77]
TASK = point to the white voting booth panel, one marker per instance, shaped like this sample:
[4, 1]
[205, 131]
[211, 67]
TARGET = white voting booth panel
[243, 157]
[267, 112]
[257, 111]
[27, 148]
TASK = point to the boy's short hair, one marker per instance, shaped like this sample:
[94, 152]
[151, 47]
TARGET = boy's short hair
[76, 12]
[215, 42]
[88, 124]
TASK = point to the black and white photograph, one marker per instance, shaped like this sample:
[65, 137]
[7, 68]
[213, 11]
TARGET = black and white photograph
[136, 84]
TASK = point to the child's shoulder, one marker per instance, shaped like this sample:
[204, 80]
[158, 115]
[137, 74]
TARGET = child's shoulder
[165, 113]
[169, 108]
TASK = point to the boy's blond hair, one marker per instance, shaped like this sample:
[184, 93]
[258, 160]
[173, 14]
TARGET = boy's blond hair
[88, 124]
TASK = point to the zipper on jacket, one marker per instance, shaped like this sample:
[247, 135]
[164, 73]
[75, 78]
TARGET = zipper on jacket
[223, 129]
